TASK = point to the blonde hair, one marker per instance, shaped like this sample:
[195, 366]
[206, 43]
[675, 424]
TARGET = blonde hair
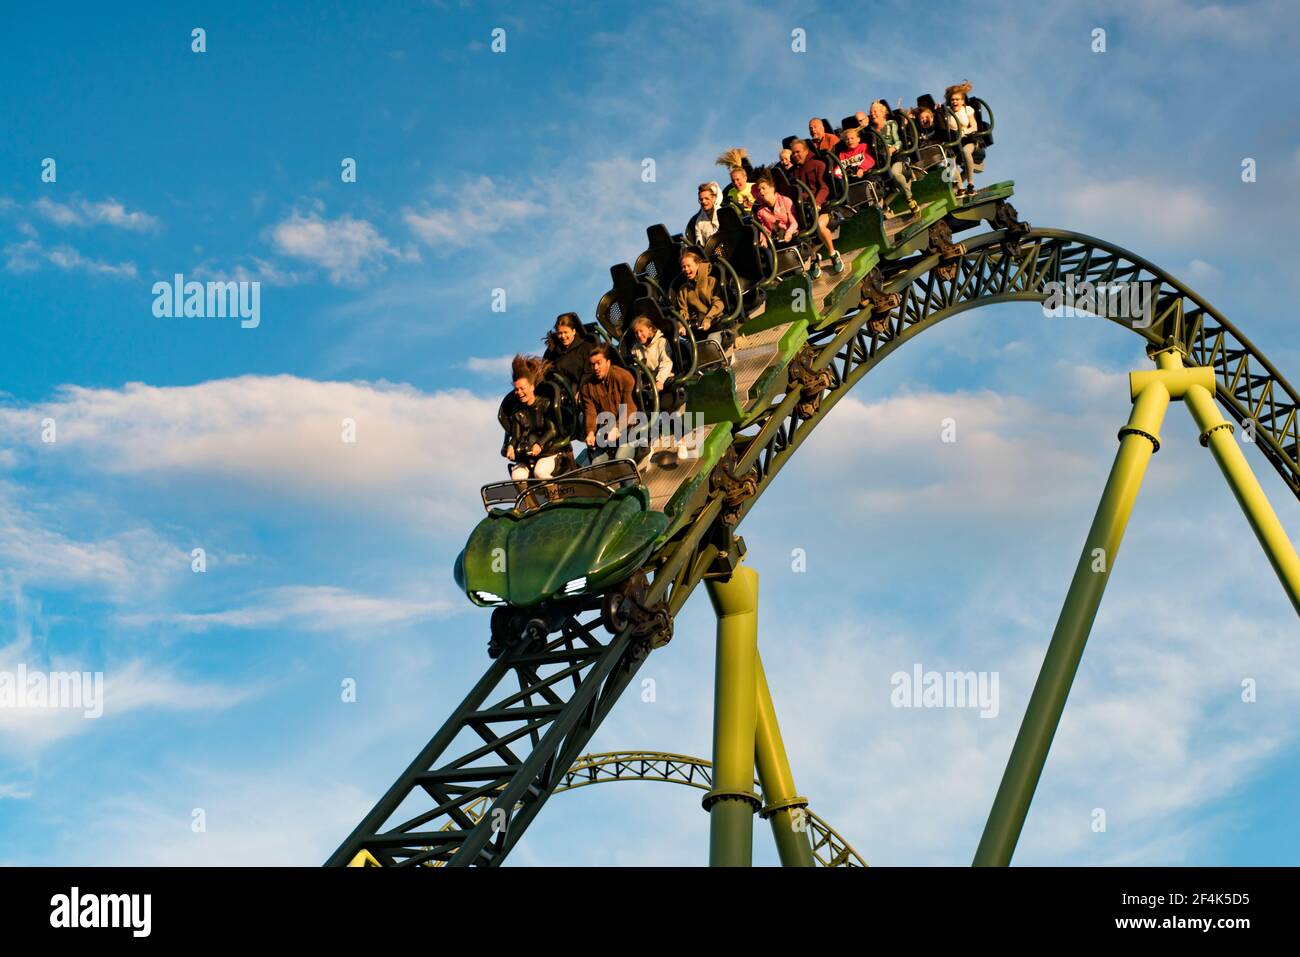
[645, 321]
[733, 158]
[964, 88]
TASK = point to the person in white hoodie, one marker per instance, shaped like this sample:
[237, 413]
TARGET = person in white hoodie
[650, 348]
[705, 222]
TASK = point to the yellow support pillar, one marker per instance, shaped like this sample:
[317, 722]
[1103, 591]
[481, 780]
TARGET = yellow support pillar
[1216, 434]
[785, 809]
[732, 802]
[1138, 441]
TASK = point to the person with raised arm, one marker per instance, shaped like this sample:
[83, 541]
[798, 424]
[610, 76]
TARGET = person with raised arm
[962, 119]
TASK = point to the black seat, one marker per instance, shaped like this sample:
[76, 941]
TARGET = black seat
[615, 307]
[837, 182]
[661, 262]
[737, 241]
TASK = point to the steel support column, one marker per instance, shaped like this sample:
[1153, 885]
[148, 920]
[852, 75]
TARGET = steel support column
[1216, 434]
[785, 810]
[732, 802]
[1138, 442]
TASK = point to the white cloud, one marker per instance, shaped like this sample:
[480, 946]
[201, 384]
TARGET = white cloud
[352, 250]
[133, 561]
[496, 367]
[417, 455]
[256, 270]
[315, 608]
[107, 212]
[480, 208]
[31, 255]
[1155, 208]
[134, 685]
[1199, 271]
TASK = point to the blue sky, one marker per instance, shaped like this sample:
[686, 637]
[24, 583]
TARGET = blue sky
[521, 171]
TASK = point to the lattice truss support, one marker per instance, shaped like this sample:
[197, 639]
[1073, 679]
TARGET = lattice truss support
[517, 734]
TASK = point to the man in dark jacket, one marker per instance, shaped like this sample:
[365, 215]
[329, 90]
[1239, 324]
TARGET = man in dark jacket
[608, 402]
[529, 421]
[811, 171]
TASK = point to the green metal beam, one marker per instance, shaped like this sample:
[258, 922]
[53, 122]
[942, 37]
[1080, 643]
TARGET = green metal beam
[1138, 442]
[732, 802]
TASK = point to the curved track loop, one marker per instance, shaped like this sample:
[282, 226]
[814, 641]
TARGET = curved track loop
[829, 848]
[550, 696]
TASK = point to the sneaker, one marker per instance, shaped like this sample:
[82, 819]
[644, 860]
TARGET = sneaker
[815, 271]
[837, 264]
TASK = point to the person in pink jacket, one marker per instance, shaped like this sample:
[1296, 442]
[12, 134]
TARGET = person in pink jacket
[774, 211]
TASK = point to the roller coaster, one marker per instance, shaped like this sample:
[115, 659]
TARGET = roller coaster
[585, 571]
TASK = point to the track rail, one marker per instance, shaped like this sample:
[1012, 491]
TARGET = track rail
[551, 695]
[829, 848]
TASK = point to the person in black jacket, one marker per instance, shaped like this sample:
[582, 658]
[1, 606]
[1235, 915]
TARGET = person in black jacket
[568, 349]
[529, 422]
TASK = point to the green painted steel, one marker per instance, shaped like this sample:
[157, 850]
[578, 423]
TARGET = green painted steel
[1216, 434]
[828, 847]
[784, 809]
[732, 802]
[581, 675]
[787, 301]
[529, 558]
[1138, 442]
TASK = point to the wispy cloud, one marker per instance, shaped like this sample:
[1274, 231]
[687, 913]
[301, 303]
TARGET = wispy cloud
[319, 608]
[479, 209]
[31, 255]
[351, 250]
[106, 212]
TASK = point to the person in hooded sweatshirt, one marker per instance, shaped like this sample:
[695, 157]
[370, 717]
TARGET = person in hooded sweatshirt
[650, 348]
[567, 349]
[705, 223]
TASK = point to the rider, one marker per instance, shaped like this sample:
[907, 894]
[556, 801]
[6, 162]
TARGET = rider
[741, 191]
[705, 223]
[854, 155]
[812, 172]
[698, 301]
[962, 119]
[611, 391]
[774, 211]
[888, 130]
[531, 433]
[567, 348]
